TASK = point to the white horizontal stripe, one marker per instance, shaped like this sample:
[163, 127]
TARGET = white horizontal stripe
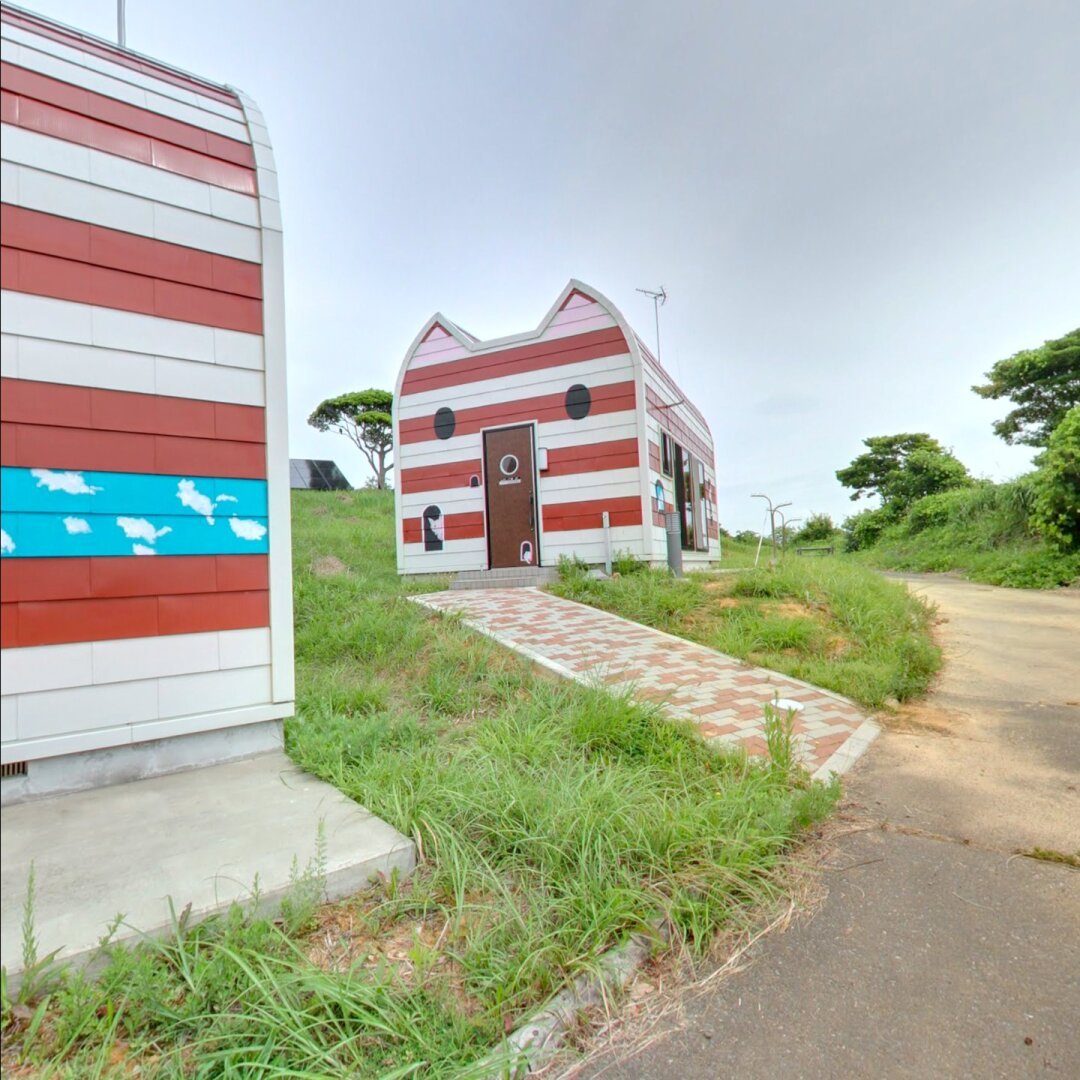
[600, 428]
[588, 544]
[606, 428]
[120, 90]
[456, 500]
[63, 320]
[49, 713]
[606, 483]
[9, 721]
[120, 72]
[110, 369]
[126, 734]
[80, 200]
[56, 667]
[43, 152]
[470, 395]
[455, 556]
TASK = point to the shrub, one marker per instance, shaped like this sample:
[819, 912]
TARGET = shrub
[1056, 509]
[862, 530]
[818, 527]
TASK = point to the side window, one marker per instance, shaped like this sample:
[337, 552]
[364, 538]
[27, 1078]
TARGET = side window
[667, 454]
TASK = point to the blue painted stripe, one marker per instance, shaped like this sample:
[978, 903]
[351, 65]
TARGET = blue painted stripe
[49, 513]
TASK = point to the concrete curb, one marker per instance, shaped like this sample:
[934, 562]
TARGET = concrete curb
[536, 1042]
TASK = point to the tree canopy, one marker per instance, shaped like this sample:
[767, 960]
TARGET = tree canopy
[363, 417]
[902, 468]
[1043, 384]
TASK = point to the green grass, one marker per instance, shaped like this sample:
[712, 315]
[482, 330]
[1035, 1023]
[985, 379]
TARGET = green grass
[553, 821]
[820, 618]
[981, 531]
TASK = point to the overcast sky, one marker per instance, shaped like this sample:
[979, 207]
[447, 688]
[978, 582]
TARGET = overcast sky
[855, 207]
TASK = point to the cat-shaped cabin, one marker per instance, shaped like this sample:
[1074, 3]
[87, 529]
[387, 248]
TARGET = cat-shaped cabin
[519, 450]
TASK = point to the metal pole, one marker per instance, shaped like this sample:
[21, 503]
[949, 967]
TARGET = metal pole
[121, 29]
[772, 523]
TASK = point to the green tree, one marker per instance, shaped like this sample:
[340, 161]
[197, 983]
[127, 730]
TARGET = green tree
[902, 468]
[1043, 384]
[363, 417]
[818, 527]
[1056, 513]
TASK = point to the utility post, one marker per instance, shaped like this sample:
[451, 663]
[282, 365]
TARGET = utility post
[772, 523]
[784, 523]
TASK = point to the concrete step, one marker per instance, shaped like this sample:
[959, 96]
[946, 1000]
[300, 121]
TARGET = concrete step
[513, 577]
[199, 837]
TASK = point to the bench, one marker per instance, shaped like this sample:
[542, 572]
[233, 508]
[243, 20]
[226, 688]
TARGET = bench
[814, 550]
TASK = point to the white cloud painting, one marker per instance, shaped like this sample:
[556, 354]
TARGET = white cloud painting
[141, 529]
[191, 497]
[7, 545]
[247, 530]
[70, 483]
[77, 526]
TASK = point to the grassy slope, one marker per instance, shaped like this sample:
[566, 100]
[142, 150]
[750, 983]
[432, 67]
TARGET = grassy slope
[818, 618]
[553, 821]
[1020, 563]
[984, 531]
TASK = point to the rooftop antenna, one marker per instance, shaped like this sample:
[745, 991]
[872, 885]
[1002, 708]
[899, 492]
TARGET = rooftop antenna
[658, 299]
[121, 28]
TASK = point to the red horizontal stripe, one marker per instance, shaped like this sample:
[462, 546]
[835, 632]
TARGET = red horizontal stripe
[35, 446]
[64, 95]
[25, 401]
[654, 457]
[561, 517]
[55, 622]
[455, 527]
[515, 361]
[65, 279]
[46, 234]
[615, 397]
[438, 477]
[39, 116]
[126, 59]
[592, 457]
[36, 580]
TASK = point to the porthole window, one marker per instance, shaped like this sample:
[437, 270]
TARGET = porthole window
[445, 422]
[578, 402]
[508, 465]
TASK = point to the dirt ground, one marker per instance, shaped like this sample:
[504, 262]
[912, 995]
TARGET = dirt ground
[993, 754]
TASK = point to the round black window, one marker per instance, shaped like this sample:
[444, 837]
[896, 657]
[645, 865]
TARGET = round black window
[578, 402]
[508, 466]
[445, 422]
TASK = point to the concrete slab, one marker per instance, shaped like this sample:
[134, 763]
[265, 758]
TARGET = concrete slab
[199, 837]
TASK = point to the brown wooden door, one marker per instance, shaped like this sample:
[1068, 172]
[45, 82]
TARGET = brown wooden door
[510, 482]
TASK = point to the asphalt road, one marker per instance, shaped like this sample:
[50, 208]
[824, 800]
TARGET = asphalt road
[938, 952]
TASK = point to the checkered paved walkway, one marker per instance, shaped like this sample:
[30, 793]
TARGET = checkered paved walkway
[723, 696]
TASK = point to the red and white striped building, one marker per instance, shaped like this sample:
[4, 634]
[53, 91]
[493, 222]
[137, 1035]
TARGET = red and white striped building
[143, 413]
[510, 452]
